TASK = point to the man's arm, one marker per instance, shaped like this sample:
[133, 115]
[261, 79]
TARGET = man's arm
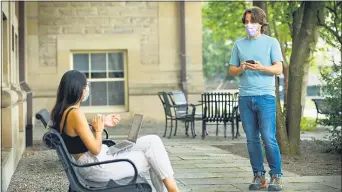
[236, 71]
[275, 69]
[234, 68]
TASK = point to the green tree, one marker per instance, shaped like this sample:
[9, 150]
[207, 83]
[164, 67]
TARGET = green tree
[294, 25]
[215, 56]
[219, 34]
[332, 76]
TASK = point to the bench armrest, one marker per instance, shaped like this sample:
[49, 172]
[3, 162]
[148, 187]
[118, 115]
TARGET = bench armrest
[110, 161]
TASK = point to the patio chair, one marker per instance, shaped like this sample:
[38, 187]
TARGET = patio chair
[172, 115]
[178, 98]
[77, 183]
[44, 116]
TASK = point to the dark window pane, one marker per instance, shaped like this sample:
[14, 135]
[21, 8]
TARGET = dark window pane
[98, 65]
[98, 92]
[116, 74]
[115, 65]
[116, 92]
[81, 63]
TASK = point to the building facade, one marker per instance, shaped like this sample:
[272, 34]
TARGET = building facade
[128, 50]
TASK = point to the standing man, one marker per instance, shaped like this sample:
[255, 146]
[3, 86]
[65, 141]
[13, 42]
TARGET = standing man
[256, 59]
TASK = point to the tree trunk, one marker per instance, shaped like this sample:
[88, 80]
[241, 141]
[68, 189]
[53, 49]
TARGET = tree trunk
[282, 137]
[285, 63]
[300, 53]
[307, 68]
[261, 4]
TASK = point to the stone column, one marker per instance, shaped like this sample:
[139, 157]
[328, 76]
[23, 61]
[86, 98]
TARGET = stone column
[10, 119]
[22, 109]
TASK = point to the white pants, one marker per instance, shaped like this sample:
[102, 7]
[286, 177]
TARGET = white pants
[148, 154]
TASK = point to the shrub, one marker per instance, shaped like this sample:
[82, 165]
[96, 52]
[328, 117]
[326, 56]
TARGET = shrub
[332, 79]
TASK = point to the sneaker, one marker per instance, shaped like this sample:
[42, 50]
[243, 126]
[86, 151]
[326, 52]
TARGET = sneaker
[259, 182]
[276, 183]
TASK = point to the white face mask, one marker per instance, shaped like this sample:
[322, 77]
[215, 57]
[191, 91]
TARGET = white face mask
[252, 29]
[87, 94]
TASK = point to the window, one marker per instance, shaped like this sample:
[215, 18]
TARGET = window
[5, 51]
[106, 74]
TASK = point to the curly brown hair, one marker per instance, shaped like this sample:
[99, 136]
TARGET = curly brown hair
[258, 16]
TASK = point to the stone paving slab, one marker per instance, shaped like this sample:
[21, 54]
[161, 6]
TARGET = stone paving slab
[207, 168]
[292, 187]
[214, 188]
[210, 170]
[185, 162]
[198, 166]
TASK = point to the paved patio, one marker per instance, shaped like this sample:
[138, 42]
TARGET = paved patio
[197, 164]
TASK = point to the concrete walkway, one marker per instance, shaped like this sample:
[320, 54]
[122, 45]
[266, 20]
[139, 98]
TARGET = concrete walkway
[197, 164]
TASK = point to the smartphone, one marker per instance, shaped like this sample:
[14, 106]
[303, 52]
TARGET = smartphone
[250, 61]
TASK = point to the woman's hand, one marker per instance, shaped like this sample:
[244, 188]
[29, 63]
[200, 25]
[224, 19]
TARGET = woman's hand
[111, 120]
[98, 123]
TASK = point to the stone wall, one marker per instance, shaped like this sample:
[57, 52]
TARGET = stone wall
[149, 32]
[64, 18]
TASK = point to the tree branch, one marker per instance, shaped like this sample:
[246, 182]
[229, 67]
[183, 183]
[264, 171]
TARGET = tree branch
[335, 33]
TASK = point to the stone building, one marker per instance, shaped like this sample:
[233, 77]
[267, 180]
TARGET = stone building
[128, 50]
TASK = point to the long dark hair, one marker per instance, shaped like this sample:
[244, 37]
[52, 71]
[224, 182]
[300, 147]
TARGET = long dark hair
[69, 92]
[258, 16]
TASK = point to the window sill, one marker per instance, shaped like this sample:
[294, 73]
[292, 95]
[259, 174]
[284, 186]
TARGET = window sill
[103, 109]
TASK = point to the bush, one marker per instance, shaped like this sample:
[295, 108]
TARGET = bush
[332, 94]
[308, 124]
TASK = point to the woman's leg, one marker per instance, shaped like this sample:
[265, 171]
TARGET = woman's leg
[155, 153]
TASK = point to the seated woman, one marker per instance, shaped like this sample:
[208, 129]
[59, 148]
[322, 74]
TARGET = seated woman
[148, 154]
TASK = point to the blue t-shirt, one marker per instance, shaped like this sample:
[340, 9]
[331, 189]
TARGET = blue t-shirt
[264, 49]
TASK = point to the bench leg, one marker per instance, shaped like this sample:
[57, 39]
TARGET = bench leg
[316, 117]
[204, 130]
[225, 129]
[187, 128]
[165, 127]
[237, 127]
[217, 128]
[176, 128]
[171, 128]
[233, 126]
[193, 129]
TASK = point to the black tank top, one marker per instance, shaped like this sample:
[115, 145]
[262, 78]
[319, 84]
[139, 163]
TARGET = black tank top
[74, 144]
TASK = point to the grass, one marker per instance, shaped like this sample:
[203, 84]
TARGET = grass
[308, 124]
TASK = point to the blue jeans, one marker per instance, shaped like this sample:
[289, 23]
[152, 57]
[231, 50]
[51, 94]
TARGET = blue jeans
[258, 116]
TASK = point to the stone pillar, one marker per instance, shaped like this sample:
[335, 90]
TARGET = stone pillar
[10, 118]
[22, 109]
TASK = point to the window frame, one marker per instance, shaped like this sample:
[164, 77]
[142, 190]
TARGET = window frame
[105, 108]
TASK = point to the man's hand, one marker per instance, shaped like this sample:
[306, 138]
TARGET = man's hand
[255, 67]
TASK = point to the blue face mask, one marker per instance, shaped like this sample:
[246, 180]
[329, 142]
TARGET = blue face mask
[87, 94]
